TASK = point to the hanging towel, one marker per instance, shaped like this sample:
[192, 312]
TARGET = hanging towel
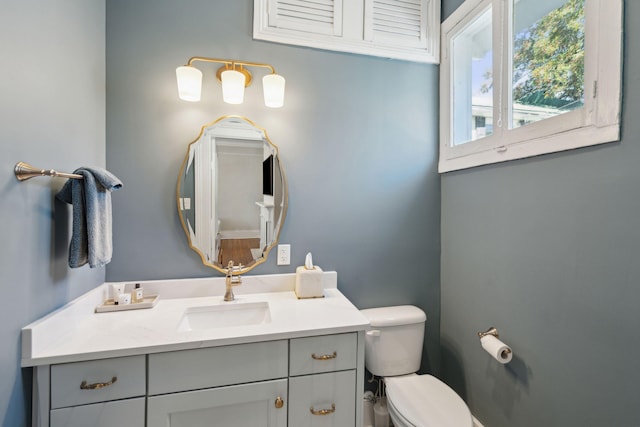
[91, 240]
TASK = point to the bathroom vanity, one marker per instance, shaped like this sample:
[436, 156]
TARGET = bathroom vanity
[264, 359]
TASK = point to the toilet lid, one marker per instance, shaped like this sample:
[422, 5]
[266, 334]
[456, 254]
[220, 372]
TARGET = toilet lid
[425, 401]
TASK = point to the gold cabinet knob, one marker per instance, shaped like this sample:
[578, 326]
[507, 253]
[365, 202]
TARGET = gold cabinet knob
[279, 402]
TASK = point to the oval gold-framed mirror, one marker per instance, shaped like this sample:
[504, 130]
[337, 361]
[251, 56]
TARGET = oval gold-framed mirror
[232, 194]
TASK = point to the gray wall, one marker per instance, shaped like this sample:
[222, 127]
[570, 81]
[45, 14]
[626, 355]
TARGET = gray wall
[546, 250]
[357, 138]
[52, 114]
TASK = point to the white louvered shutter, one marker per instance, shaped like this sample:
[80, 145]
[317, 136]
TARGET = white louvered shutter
[396, 22]
[312, 16]
[400, 29]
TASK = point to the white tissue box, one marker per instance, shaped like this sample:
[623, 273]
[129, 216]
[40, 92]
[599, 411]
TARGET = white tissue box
[309, 282]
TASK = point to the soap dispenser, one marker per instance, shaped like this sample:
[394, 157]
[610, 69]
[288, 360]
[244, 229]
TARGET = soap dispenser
[137, 295]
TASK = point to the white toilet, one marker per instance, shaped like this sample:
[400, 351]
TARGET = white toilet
[393, 350]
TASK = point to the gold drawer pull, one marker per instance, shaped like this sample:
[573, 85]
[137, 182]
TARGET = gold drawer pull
[96, 386]
[325, 356]
[324, 411]
[279, 402]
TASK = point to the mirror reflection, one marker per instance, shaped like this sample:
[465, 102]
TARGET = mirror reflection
[232, 194]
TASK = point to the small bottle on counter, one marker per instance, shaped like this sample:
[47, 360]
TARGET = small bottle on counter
[124, 299]
[137, 295]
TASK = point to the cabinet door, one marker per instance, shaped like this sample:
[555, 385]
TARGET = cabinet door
[323, 400]
[262, 404]
[128, 412]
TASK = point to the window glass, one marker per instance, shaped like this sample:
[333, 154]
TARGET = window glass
[548, 59]
[472, 85]
[521, 78]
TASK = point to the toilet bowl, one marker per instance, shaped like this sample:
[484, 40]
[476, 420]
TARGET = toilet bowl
[393, 350]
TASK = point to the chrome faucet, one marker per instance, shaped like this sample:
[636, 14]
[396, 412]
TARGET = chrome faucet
[231, 281]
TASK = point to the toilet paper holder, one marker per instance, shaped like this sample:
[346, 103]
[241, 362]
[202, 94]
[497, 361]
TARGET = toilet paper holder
[492, 331]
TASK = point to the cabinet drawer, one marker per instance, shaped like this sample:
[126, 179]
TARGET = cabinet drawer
[216, 366]
[128, 412]
[323, 354]
[95, 381]
[326, 400]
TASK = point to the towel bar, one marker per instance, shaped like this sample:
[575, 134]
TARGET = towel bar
[24, 171]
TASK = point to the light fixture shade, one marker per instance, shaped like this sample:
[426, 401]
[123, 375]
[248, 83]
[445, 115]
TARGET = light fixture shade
[232, 86]
[273, 87]
[189, 83]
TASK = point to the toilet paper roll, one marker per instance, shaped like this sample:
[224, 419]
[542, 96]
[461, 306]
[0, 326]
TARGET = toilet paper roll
[496, 348]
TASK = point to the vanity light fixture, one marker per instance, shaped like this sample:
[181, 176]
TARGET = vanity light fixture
[234, 76]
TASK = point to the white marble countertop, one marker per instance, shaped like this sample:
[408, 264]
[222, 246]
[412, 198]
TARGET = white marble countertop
[76, 333]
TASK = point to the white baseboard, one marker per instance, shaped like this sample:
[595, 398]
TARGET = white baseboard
[240, 234]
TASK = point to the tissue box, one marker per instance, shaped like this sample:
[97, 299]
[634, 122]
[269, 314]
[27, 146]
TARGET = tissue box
[309, 282]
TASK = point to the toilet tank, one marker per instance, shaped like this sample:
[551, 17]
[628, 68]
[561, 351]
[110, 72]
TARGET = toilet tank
[393, 346]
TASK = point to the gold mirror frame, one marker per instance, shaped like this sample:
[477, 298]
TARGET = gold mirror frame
[285, 196]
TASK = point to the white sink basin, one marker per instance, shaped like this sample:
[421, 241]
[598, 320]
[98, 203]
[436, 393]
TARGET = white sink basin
[225, 316]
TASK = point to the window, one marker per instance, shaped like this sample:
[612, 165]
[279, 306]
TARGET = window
[521, 78]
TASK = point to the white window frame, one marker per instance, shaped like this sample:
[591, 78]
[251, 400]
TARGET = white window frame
[597, 122]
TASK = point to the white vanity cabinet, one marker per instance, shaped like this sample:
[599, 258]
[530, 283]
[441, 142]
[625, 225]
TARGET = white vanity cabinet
[300, 366]
[297, 382]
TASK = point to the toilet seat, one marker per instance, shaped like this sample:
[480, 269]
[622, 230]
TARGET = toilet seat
[396, 416]
[425, 401]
